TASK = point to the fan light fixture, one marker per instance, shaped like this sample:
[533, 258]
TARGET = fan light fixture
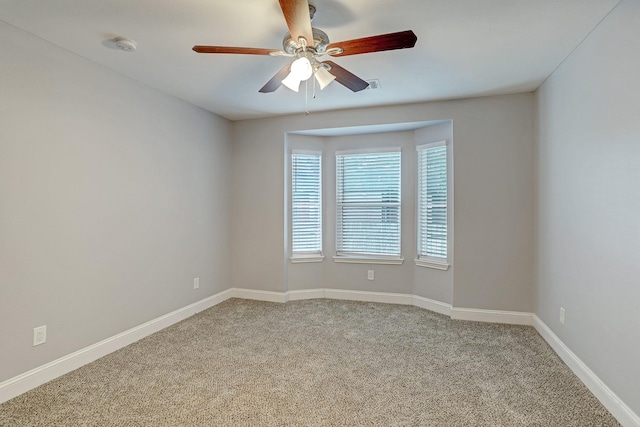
[302, 69]
[323, 76]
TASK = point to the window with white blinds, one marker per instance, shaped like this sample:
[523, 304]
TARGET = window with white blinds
[432, 202]
[306, 204]
[368, 203]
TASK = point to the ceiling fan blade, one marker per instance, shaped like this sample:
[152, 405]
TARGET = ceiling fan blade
[296, 13]
[276, 80]
[400, 40]
[231, 49]
[346, 78]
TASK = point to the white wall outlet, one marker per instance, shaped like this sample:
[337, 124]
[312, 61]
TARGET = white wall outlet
[196, 282]
[562, 315]
[39, 335]
[370, 275]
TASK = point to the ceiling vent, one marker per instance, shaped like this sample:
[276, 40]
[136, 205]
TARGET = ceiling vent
[373, 84]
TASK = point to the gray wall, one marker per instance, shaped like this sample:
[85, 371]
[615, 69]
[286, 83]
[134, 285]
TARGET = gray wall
[588, 202]
[113, 196]
[493, 176]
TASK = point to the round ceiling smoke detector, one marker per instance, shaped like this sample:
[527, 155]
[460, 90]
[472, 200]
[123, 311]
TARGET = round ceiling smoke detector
[124, 44]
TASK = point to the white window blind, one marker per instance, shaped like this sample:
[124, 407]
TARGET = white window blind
[306, 204]
[432, 201]
[368, 203]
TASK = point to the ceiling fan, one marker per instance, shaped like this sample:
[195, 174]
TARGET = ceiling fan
[307, 45]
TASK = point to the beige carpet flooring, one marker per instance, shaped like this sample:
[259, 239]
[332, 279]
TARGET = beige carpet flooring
[319, 363]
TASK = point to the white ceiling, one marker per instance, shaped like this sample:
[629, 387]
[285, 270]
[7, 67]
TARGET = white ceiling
[465, 48]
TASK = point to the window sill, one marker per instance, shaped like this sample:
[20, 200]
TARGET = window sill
[438, 265]
[306, 258]
[368, 260]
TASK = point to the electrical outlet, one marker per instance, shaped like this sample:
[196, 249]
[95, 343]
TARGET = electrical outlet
[196, 282]
[370, 275]
[39, 335]
[562, 315]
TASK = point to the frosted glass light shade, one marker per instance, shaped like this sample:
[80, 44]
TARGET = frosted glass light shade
[324, 77]
[300, 70]
[292, 82]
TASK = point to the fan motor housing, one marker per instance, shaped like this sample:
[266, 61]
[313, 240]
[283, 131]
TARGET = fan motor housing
[320, 42]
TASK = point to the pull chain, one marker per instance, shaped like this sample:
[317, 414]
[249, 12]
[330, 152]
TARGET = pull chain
[306, 97]
[314, 88]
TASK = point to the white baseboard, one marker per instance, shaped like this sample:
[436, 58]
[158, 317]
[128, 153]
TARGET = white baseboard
[306, 294]
[47, 372]
[492, 316]
[478, 315]
[268, 296]
[605, 395]
[432, 305]
[297, 295]
[341, 294]
[365, 296]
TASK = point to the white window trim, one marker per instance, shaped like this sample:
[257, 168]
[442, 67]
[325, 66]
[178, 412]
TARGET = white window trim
[425, 261]
[299, 258]
[430, 262]
[296, 258]
[351, 258]
[360, 259]
[431, 145]
[369, 151]
[309, 152]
